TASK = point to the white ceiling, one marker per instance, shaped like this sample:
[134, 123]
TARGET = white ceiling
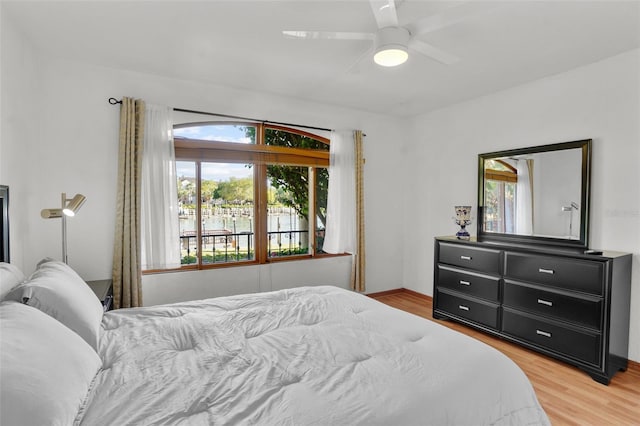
[239, 44]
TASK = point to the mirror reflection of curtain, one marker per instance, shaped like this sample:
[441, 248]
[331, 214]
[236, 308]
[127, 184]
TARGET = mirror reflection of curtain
[524, 197]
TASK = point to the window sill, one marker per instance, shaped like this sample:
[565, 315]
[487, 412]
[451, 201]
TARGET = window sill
[241, 264]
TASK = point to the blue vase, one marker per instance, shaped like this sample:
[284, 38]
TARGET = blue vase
[463, 234]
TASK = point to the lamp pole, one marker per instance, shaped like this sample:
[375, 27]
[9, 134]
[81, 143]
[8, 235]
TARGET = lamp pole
[64, 229]
[68, 207]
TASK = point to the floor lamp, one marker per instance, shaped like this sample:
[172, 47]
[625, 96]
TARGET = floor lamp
[69, 208]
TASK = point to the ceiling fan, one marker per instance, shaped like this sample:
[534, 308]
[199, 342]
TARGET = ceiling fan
[392, 42]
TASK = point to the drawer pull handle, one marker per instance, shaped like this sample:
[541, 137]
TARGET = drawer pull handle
[543, 333]
[465, 282]
[546, 271]
[545, 302]
[465, 257]
[464, 308]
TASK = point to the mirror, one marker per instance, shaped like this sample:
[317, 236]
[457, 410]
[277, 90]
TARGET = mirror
[535, 195]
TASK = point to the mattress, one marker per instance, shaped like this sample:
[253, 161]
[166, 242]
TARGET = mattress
[303, 356]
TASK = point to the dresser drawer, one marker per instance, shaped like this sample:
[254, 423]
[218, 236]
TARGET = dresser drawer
[484, 286]
[565, 273]
[475, 310]
[580, 345]
[579, 309]
[480, 259]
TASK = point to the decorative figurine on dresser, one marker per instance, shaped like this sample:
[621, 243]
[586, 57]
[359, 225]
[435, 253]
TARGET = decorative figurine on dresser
[463, 218]
[529, 276]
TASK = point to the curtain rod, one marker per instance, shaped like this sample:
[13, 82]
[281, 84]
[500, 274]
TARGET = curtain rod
[114, 101]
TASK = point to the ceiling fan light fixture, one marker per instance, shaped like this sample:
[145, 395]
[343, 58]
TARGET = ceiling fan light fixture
[389, 56]
[391, 46]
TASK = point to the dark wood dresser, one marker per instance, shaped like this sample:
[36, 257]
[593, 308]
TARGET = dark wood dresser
[560, 302]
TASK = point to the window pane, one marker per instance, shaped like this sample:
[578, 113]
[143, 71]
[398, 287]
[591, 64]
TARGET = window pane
[225, 221]
[279, 137]
[186, 172]
[227, 212]
[288, 210]
[499, 206]
[217, 132]
[322, 189]
[496, 165]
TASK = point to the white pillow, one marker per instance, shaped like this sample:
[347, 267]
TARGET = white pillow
[10, 276]
[45, 368]
[57, 290]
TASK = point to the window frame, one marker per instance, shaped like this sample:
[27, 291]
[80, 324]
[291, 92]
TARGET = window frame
[259, 155]
[509, 175]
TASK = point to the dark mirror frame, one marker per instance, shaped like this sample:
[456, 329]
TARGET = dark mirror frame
[583, 241]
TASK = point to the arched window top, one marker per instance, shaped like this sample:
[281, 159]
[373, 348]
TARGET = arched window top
[243, 133]
[294, 138]
[501, 165]
[247, 133]
[501, 171]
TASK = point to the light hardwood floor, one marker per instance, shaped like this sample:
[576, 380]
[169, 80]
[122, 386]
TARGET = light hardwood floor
[567, 394]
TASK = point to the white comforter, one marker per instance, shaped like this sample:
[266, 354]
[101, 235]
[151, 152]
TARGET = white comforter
[306, 356]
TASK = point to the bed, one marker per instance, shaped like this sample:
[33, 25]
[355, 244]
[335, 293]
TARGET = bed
[302, 356]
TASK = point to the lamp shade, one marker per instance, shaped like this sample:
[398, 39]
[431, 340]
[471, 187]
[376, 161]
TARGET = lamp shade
[391, 46]
[51, 213]
[74, 205]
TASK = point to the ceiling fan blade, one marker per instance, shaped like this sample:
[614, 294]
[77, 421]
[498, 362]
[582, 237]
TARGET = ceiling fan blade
[360, 64]
[327, 35]
[384, 12]
[433, 52]
[448, 17]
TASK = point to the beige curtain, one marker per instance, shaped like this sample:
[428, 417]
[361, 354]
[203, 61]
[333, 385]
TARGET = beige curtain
[127, 275]
[357, 275]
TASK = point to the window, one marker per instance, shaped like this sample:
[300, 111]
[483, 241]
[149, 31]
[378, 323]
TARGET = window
[249, 193]
[500, 196]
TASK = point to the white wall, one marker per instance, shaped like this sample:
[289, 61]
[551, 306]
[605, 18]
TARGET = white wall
[19, 89]
[62, 137]
[599, 101]
[188, 285]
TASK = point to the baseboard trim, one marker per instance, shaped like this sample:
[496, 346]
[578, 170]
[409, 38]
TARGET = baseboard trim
[398, 291]
[386, 292]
